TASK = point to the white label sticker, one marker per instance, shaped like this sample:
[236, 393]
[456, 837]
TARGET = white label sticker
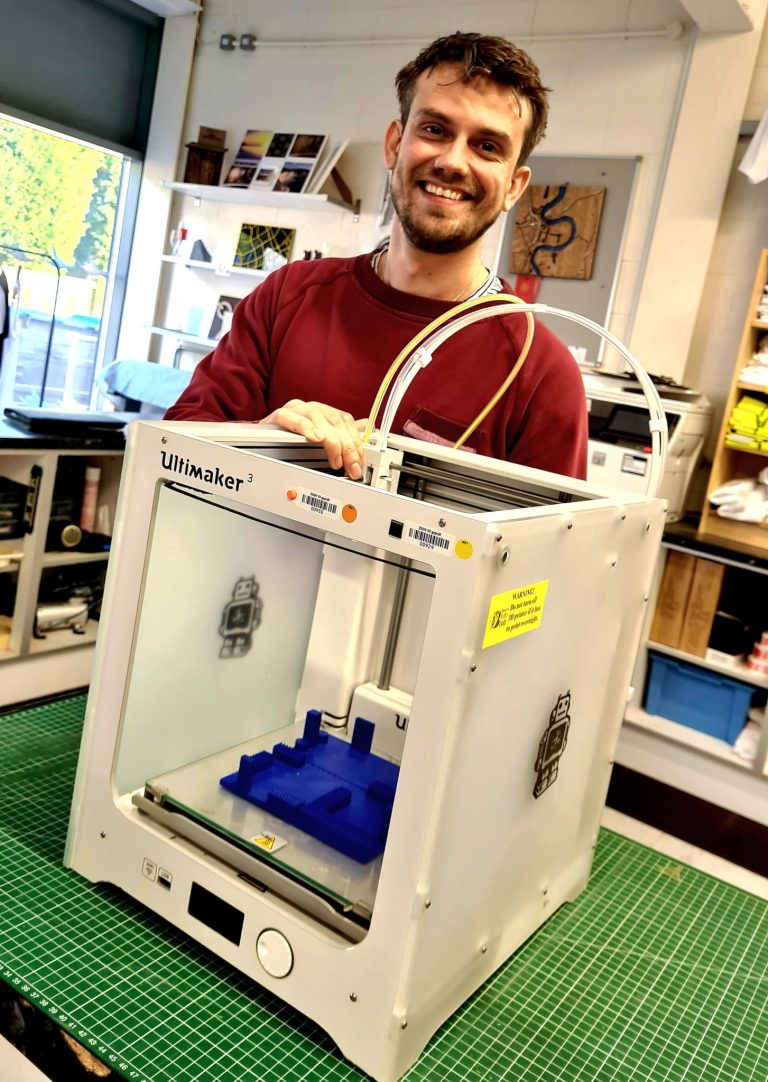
[635, 464]
[270, 843]
[428, 538]
[317, 503]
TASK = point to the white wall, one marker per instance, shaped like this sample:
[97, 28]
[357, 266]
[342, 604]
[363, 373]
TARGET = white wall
[674, 100]
[742, 234]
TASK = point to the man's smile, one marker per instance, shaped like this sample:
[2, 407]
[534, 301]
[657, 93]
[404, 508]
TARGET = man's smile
[445, 193]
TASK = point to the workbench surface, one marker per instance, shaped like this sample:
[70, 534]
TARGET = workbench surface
[655, 974]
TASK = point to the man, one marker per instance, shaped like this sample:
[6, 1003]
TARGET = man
[309, 347]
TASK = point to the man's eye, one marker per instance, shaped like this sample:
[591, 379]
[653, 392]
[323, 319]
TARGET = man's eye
[432, 129]
[489, 148]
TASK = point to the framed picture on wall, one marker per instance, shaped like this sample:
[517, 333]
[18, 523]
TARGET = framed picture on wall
[263, 247]
[222, 316]
[276, 161]
[592, 295]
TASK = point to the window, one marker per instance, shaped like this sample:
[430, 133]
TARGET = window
[62, 210]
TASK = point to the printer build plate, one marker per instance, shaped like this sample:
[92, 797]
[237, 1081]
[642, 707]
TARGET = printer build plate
[196, 791]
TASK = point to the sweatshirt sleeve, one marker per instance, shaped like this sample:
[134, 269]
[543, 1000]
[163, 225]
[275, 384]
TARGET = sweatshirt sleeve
[553, 434]
[230, 384]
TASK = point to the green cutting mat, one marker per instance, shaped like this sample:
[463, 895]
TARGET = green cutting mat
[657, 973]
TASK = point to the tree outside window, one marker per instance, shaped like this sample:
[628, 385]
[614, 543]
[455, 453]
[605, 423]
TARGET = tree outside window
[58, 204]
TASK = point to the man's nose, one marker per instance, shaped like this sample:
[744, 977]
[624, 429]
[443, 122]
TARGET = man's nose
[453, 158]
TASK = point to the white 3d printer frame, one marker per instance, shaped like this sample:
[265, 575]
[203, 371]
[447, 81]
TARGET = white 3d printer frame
[538, 593]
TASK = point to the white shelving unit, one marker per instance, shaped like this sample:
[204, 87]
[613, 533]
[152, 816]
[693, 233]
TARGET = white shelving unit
[193, 342]
[175, 293]
[248, 197]
[684, 757]
[31, 667]
[186, 341]
[219, 269]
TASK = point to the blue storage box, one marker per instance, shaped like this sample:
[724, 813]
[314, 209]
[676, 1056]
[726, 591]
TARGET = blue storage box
[697, 698]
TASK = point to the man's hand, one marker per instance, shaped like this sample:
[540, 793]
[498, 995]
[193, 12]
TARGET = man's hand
[336, 430]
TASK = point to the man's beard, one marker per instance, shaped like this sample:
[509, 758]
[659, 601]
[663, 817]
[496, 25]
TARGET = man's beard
[439, 235]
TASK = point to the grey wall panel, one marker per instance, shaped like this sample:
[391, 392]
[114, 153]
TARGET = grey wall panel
[81, 65]
[594, 297]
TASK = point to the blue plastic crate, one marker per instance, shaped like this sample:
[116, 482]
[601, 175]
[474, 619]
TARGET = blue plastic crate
[702, 700]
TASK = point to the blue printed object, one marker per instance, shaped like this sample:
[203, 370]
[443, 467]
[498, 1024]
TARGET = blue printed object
[338, 792]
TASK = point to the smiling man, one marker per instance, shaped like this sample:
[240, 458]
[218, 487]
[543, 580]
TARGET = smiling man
[309, 347]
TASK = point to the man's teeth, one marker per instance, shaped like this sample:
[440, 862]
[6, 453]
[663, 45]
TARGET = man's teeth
[446, 193]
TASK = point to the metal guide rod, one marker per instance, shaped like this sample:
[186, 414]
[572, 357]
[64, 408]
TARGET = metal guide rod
[395, 620]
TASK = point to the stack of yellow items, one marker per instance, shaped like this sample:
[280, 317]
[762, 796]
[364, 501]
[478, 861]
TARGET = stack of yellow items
[748, 425]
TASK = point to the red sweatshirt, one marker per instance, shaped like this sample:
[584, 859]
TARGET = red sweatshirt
[327, 330]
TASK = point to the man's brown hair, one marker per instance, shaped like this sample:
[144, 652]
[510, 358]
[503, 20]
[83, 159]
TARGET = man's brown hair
[480, 55]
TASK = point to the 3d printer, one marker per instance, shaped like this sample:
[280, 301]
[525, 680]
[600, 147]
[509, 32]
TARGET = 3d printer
[394, 772]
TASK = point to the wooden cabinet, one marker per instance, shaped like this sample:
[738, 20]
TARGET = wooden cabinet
[42, 653]
[732, 463]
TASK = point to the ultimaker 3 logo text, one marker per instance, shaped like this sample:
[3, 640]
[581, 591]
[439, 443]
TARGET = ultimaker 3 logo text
[188, 468]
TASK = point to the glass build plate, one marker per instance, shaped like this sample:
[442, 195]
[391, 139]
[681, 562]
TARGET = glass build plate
[196, 790]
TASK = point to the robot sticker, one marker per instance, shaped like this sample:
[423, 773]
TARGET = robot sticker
[240, 618]
[552, 744]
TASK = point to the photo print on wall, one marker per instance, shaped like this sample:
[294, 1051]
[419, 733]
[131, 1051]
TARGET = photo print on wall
[222, 316]
[276, 161]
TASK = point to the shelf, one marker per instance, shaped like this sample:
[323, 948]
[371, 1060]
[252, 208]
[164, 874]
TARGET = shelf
[61, 559]
[9, 561]
[64, 639]
[745, 450]
[752, 387]
[219, 269]
[182, 336]
[248, 197]
[735, 672]
[682, 734]
[760, 325]
[741, 533]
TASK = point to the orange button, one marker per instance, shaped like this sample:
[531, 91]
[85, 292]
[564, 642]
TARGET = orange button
[348, 512]
[291, 493]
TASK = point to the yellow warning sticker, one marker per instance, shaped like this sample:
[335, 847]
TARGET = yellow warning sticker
[515, 613]
[269, 842]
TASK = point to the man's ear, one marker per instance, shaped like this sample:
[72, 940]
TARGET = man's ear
[520, 181]
[392, 143]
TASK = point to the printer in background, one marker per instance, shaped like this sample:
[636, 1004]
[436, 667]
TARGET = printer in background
[619, 436]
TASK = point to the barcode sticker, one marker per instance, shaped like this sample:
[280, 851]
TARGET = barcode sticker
[428, 538]
[317, 503]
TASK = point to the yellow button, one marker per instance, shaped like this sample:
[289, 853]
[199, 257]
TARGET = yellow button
[463, 549]
[348, 512]
[291, 493]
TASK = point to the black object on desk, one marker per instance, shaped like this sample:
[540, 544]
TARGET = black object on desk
[101, 429]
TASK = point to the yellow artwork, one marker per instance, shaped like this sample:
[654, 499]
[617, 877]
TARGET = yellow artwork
[556, 231]
[256, 239]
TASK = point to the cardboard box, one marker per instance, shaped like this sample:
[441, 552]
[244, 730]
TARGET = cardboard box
[667, 624]
[701, 608]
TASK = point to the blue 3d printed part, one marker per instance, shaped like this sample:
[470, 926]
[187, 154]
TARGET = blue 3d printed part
[338, 792]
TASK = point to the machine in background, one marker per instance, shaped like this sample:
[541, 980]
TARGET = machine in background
[619, 437]
[482, 619]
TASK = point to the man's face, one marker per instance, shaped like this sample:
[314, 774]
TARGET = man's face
[453, 167]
